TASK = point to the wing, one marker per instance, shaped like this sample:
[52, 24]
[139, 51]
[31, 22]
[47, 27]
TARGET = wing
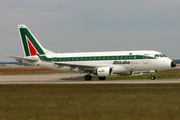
[74, 64]
[79, 66]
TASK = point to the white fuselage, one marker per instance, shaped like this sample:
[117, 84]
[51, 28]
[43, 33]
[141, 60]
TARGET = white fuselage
[145, 62]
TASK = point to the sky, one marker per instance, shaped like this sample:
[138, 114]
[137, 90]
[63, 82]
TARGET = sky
[92, 25]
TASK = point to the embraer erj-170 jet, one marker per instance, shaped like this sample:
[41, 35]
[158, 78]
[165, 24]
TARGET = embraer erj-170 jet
[102, 64]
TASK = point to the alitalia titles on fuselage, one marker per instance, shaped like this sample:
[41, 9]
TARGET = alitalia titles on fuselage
[122, 62]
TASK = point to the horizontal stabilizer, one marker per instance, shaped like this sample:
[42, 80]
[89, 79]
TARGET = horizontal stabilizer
[20, 59]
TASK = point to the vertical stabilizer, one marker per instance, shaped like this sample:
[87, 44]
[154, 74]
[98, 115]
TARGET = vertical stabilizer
[30, 44]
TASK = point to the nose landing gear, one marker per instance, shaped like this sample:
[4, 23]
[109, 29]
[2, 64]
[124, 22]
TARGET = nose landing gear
[153, 77]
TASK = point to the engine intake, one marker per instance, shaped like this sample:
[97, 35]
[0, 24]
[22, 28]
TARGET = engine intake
[104, 71]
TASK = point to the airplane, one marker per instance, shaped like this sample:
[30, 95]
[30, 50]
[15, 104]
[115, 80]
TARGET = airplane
[102, 64]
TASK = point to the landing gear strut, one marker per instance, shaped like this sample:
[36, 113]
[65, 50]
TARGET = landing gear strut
[153, 77]
[88, 77]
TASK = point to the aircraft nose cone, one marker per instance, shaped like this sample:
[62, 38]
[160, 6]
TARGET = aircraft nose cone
[173, 64]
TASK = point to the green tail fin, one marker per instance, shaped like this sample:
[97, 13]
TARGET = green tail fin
[30, 44]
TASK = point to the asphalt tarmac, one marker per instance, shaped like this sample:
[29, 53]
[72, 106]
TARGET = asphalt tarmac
[72, 78]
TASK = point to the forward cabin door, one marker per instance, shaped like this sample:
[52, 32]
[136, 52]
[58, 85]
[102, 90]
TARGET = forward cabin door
[146, 58]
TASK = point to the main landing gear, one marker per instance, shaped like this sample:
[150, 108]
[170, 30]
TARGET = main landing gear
[89, 78]
[102, 78]
[153, 77]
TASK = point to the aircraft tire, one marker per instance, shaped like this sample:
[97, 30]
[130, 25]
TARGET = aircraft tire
[88, 77]
[153, 77]
[102, 78]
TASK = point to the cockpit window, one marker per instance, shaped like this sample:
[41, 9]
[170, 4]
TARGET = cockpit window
[162, 55]
[156, 56]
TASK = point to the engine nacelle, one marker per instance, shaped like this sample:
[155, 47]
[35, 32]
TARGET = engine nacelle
[126, 73]
[104, 71]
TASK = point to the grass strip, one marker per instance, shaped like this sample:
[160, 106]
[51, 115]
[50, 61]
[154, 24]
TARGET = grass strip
[104, 101]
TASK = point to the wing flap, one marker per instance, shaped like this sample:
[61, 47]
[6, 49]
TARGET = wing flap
[74, 65]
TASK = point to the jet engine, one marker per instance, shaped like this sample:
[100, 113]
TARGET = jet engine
[104, 71]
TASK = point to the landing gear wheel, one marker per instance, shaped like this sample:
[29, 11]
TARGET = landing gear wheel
[88, 77]
[102, 78]
[153, 77]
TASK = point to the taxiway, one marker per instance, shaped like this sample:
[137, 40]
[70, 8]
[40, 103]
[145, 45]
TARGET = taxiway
[72, 78]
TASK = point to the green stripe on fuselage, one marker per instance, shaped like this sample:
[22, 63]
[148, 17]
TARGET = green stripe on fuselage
[24, 32]
[96, 58]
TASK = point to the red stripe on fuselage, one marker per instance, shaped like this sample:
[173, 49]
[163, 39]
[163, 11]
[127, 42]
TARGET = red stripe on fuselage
[31, 49]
